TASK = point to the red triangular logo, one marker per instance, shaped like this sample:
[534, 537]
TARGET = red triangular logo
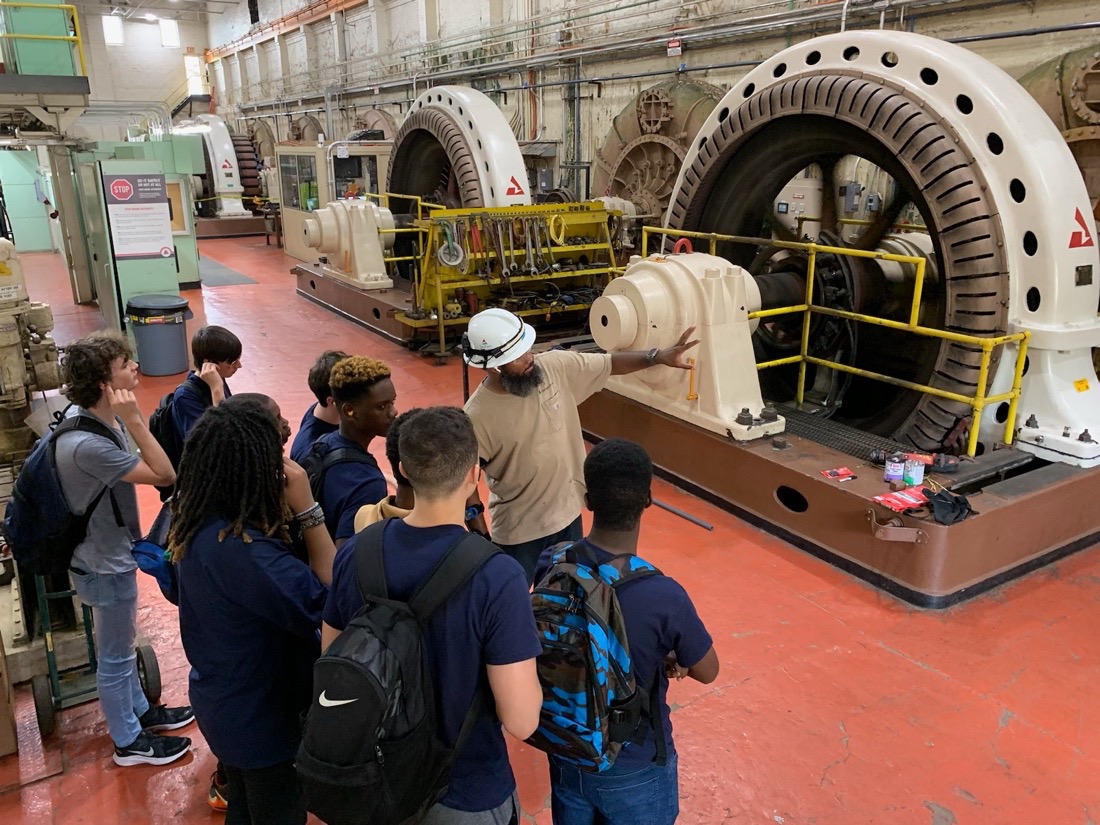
[226, 164]
[515, 188]
[1081, 238]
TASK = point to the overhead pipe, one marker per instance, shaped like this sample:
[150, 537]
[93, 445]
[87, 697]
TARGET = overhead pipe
[611, 51]
[134, 107]
[736, 64]
[1068, 27]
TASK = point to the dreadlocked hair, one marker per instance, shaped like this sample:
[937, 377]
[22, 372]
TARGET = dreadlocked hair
[232, 467]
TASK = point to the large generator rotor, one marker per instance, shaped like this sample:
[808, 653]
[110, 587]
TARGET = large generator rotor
[963, 144]
[455, 148]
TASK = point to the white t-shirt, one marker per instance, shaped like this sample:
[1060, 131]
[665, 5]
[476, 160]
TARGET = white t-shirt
[532, 447]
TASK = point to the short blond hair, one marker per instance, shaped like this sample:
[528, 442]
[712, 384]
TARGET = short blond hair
[353, 377]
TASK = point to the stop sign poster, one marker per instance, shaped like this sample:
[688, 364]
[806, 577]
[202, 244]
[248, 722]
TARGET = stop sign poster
[139, 216]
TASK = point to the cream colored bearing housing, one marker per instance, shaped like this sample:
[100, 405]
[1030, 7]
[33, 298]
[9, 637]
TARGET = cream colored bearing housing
[651, 305]
[354, 236]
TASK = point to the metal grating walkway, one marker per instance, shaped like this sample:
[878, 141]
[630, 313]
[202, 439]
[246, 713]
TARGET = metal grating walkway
[837, 436]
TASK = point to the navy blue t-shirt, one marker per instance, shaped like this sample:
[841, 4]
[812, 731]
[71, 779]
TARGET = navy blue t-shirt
[249, 619]
[660, 618]
[488, 623]
[188, 407]
[309, 431]
[347, 487]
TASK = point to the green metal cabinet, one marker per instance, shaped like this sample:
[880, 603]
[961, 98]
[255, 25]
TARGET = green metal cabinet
[37, 57]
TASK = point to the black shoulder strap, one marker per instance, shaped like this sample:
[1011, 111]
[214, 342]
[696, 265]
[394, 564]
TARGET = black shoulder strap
[346, 455]
[202, 391]
[85, 423]
[370, 570]
[451, 574]
[655, 722]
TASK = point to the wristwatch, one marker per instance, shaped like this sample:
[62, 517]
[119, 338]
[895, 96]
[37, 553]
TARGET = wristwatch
[474, 510]
[651, 357]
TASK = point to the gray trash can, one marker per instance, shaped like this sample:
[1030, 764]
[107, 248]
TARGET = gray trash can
[160, 332]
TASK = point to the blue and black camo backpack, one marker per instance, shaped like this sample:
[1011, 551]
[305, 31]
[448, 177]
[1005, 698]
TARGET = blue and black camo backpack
[591, 702]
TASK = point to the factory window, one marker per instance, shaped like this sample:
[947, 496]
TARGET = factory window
[169, 34]
[298, 182]
[253, 11]
[112, 30]
[192, 68]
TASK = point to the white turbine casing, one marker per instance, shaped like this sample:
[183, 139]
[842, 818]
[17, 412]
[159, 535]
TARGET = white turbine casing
[350, 235]
[490, 139]
[1061, 388]
[652, 304]
[223, 162]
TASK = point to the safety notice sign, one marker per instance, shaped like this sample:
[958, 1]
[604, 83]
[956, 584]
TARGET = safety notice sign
[139, 216]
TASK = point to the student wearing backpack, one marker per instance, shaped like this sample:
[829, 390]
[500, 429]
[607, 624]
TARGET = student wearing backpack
[100, 376]
[343, 474]
[666, 639]
[481, 644]
[250, 609]
[529, 432]
[217, 355]
[324, 416]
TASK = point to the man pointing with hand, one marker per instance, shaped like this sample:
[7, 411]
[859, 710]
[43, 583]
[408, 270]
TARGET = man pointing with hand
[529, 433]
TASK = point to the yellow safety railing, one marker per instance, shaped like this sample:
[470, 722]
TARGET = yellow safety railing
[977, 402]
[71, 38]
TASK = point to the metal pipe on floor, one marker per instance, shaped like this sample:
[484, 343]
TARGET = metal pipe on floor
[686, 516]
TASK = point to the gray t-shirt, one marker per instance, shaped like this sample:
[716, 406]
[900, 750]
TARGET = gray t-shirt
[85, 463]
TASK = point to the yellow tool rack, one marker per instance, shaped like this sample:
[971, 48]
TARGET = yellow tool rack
[536, 261]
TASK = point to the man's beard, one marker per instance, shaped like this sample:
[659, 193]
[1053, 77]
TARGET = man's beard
[522, 385]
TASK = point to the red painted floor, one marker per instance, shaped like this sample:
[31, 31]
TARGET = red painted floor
[836, 705]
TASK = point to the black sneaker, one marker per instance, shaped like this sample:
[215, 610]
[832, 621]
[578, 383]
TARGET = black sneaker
[150, 749]
[159, 717]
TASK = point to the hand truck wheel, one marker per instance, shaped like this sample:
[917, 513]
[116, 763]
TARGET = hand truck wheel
[44, 709]
[148, 673]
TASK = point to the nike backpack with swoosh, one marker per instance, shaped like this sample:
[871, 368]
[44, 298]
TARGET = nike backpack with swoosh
[371, 752]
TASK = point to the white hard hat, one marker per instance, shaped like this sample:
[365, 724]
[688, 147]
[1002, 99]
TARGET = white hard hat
[496, 337]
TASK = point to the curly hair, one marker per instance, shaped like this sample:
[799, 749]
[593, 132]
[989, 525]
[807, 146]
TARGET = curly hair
[86, 365]
[353, 377]
[232, 467]
[618, 475]
[320, 373]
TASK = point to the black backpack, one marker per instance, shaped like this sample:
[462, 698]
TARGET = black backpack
[370, 749]
[322, 457]
[40, 526]
[163, 428]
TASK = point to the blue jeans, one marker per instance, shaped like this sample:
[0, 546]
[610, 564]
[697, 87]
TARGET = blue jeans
[113, 598]
[637, 796]
[527, 553]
